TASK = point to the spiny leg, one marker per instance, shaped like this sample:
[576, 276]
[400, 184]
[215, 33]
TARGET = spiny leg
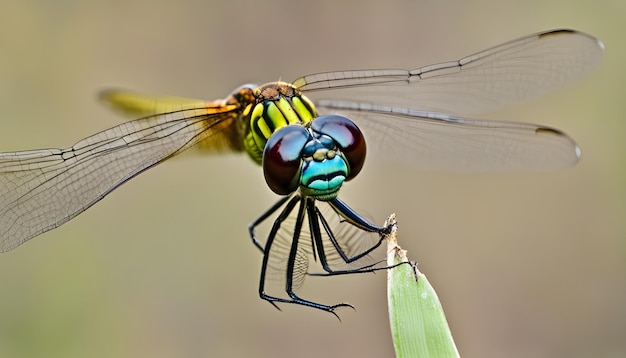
[355, 219]
[291, 265]
[262, 218]
[333, 240]
[268, 245]
[290, 261]
[315, 216]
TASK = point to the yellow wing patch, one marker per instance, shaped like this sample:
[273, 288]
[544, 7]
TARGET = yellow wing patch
[223, 136]
[139, 105]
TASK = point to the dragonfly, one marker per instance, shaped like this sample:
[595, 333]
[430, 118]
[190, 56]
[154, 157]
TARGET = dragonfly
[309, 137]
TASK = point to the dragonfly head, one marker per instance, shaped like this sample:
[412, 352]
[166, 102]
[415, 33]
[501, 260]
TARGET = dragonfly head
[316, 158]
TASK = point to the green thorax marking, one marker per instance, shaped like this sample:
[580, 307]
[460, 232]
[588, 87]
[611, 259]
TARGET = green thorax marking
[276, 105]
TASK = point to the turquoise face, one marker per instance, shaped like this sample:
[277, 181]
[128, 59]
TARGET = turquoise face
[323, 173]
[316, 158]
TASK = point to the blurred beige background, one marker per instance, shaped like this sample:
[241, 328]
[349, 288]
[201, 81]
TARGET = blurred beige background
[526, 264]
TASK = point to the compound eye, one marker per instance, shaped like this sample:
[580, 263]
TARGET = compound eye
[282, 158]
[348, 138]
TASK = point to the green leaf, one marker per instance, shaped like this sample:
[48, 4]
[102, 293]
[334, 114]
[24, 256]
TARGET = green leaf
[418, 324]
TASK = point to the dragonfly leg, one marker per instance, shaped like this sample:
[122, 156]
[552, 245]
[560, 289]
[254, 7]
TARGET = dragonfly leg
[262, 218]
[291, 260]
[270, 240]
[355, 219]
[315, 217]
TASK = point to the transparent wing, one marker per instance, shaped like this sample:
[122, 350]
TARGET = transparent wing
[135, 105]
[42, 189]
[435, 141]
[513, 72]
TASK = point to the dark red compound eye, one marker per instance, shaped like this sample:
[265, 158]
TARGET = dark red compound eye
[282, 158]
[348, 138]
